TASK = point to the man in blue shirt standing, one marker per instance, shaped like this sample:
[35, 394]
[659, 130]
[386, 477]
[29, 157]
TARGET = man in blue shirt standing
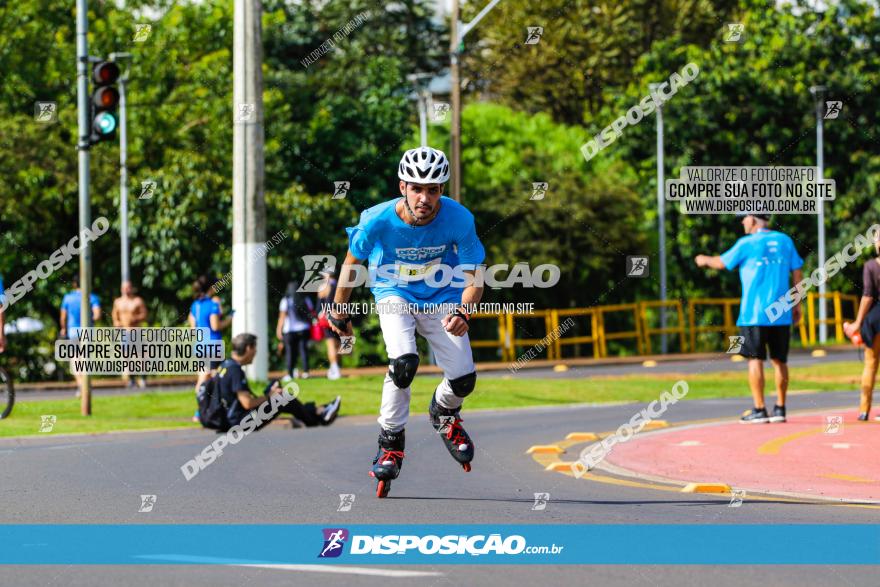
[205, 312]
[765, 259]
[71, 318]
[425, 251]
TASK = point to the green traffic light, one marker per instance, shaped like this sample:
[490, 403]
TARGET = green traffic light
[105, 123]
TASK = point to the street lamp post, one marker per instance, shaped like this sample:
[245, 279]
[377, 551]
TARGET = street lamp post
[123, 170]
[423, 118]
[457, 33]
[421, 93]
[661, 220]
[818, 93]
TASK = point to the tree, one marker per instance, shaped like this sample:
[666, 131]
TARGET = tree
[751, 105]
[583, 224]
[322, 124]
[585, 55]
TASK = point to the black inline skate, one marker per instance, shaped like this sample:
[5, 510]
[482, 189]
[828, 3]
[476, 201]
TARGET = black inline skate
[388, 461]
[447, 423]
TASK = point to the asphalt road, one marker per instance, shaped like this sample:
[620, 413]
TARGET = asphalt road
[296, 476]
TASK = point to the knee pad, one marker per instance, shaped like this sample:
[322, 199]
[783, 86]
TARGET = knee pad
[464, 385]
[403, 369]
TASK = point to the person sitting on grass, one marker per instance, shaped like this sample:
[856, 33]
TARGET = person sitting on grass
[236, 392]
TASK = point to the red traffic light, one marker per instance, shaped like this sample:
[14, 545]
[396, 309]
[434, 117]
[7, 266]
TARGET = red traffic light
[105, 98]
[105, 73]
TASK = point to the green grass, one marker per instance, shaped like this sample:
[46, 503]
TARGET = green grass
[361, 396]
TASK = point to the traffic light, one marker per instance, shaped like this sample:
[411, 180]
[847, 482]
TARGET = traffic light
[105, 100]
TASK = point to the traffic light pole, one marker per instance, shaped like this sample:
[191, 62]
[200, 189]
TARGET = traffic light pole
[85, 270]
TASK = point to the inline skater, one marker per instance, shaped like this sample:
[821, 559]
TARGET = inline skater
[414, 233]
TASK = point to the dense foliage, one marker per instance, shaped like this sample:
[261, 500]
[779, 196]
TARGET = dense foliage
[348, 115]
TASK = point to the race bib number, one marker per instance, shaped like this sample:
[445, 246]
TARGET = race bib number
[409, 272]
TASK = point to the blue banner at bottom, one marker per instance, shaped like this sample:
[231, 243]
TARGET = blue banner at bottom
[688, 544]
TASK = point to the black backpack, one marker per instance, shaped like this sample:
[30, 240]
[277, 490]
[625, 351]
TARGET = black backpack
[212, 408]
[297, 307]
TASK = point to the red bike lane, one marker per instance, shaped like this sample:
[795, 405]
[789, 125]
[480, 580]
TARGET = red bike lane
[827, 455]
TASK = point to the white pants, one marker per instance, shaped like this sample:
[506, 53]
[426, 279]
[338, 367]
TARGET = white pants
[452, 353]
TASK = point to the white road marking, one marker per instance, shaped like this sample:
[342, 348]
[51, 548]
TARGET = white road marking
[340, 569]
[346, 570]
[689, 443]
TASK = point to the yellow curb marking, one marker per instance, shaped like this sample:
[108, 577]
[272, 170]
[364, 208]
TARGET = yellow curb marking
[706, 488]
[562, 466]
[654, 424]
[582, 436]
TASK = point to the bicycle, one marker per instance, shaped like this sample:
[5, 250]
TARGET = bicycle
[7, 393]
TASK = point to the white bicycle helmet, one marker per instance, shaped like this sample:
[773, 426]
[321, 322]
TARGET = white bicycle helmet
[424, 165]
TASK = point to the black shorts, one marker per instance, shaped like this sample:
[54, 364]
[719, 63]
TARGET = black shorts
[757, 339]
[871, 326]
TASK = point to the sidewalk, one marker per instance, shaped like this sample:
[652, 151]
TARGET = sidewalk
[424, 369]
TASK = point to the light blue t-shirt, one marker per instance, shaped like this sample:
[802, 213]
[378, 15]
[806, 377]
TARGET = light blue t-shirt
[449, 239]
[202, 309]
[2, 291]
[765, 260]
[70, 303]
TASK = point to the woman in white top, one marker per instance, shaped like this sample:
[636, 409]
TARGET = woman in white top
[294, 323]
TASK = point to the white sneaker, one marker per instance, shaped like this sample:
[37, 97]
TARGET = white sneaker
[333, 372]
[305, 375]
[295, 373]
[331, 410]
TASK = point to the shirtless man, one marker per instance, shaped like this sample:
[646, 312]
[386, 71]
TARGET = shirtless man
[129, 311]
